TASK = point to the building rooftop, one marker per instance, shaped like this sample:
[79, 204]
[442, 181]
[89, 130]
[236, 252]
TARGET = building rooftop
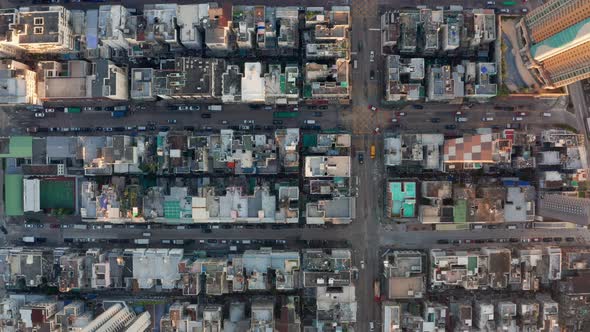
[189, 19]
[401, 199]
[39, 25]
[253, 83]
[327, 166]
[232, 84]
[161, 22]
[141, 83]
[188, 77]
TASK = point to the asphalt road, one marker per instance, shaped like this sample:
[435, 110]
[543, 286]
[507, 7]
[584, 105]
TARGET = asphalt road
[233, 114]
[384, 236]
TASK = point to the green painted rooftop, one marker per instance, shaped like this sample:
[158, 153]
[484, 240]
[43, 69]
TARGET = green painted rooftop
[13, 194]
[19, 147]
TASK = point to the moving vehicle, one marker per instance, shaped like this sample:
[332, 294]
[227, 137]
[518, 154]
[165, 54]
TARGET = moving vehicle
[285, 115]
[171, 121]
[194, 108]
[355, 66]
[215, 108]
[73, 110]
[29, 239]
[309, 121]
[435, 120]
[183, 108]
[487, 118]
[509, 3]
[373, 108]
[377, 290]
[418, 106]
[361, 158]
[141, 241]
[373, 151]
[372, 56]
[39, 114]
[118, 114]
[206, 115]
[372, 74]
[547, 114]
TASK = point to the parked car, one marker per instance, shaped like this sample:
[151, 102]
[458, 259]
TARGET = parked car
[183, 108]
[418, 106]
[39, 114]
[361, 158]
[435, 120]
[372, 56]
[206, 115]
[372, 108]
[50, 110]
[194, 108]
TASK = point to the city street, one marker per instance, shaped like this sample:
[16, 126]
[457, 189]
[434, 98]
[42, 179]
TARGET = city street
[383, 236]
[367, 236]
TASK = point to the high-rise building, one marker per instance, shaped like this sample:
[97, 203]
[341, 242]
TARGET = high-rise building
[556, 40]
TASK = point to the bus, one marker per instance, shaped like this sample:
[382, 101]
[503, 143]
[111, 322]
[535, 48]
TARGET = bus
[283, 115]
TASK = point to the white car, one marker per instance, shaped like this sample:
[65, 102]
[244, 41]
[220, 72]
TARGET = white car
[50, 110]
[39, 114]
[372, 56]
[362, 264]
[183, 108]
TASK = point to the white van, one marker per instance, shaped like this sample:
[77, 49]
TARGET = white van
[309, 122]
[547, 115]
